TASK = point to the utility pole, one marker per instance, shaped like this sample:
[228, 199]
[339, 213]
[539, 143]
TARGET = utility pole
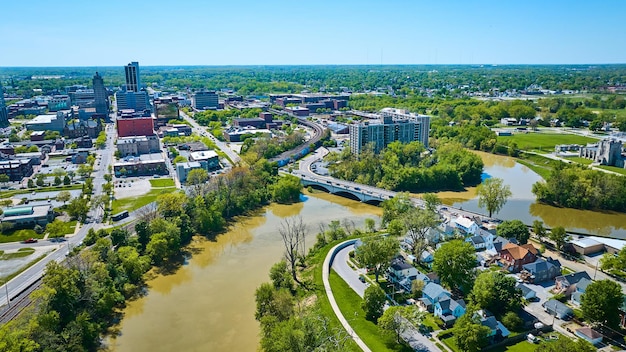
[6, 287]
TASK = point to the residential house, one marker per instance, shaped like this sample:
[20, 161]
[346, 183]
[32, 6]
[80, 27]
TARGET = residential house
[566, 284]
[427, 258]
[590, 335]
[558, 309]
[466, 225]
[514, 257]
[527, 293]
[449, 310]
[543, 269]
[581, 288]
[433, 293]
[497, 244]
[477, 241]
[498, 331]
[400, 270]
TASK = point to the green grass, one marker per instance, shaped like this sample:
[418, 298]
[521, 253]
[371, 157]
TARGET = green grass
[21, 253]
[540, 165]
[8, 278]
[580, 160]
[134, 203]
[162, 182]
[69, 227]
[18, 235]
[565, 270]
[430, 322]
[613, 168]
[544, 141]
[450, 342]
[350, 305]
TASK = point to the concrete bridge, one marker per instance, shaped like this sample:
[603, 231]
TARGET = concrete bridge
[349, 190]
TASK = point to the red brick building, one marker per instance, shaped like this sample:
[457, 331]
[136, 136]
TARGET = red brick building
[135, 126]
[514, 256]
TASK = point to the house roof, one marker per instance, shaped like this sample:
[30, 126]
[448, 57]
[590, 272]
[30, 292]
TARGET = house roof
[611, 242]
[401, 266]
[541, 265]
[425, 255]
[586, 242]
[490, 322]
[449, 303]
[477, 239]
[464, 222]
[589, 332]
[525, 289]
[582, 284]
[519, 252]
[558, 307]
[574, 278]
[434, 290]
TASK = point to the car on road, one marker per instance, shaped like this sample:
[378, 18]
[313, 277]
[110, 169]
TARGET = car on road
[362, 278]
[30, 240]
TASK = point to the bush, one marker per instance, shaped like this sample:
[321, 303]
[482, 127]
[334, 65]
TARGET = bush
[512, 321]
[560, 297]
[38, 229]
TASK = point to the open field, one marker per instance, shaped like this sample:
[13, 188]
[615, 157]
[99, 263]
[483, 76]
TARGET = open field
[19, 235]
[162, 182]
[619, 170]
[134, 203]
[544, 141]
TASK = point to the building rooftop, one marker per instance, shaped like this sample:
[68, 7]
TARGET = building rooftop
[203, 155]
[26, 212]
[585, 242]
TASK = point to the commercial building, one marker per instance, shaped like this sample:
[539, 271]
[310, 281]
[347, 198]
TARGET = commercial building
[255, 122]
[205, 99]
[137, 101]
[100, 95]
[183, 169]
[297, 110]
[394, 125]
[605, 152]
[16, 169]
[236, 134]
[29, 216]
[4, 113]
[138, 145]
[82, 128]
[49, 122]
[59, 102]
[139, 167]
[209, 157]
[135, 126]
[133, 81]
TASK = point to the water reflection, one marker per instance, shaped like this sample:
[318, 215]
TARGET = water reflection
[208, 305]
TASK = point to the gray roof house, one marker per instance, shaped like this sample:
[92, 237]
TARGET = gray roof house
[566, 284]
[527, 292]
[581, 288]
[543, 269]
[558, 309]
[433, 293]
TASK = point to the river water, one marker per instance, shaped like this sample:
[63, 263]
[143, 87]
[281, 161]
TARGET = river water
[208, 304]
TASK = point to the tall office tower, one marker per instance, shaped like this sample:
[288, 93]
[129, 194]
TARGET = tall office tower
[133, 83]
[100, 95]
[4, 114]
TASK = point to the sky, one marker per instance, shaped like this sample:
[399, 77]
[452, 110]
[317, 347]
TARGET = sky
[314, 32]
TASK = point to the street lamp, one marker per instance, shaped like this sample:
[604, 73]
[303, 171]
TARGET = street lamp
[6, 287]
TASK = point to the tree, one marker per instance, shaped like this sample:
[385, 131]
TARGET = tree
[272, 302]
[565, 345]
[171, 204]
[6, 202]
[454, 262]
[493, 194]
[100, 201]
[431, 201]
[514, 229]
[280, 276]
[179, 159]
[4, 178]
[469, 334]
[78, 208]
[66, 180]
[108, 177]
[373, 302]
[496, 292]
[599, 302]
[56, 228]
[287, 189]
[292, 232]
[393, 208]
[376, 253]
[396, 228]
[197, 177]
[559, 237]
[39, 181]
[539, 230]
[418, 222]
[370, 225]
[84, 170]
[398, 319]
[31, 183]
[512, 321]
[63, 196]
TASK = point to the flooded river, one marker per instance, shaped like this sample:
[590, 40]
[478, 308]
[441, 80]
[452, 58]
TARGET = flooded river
[523, 206]
[208, 304]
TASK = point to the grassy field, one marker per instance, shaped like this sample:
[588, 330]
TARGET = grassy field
[18, 235]
[162, 182]
[544, 141]
[613, 168]
[580, 160]
[7, 194]
[350, 305]
[539, 164]
[134, 203]
[21, 253]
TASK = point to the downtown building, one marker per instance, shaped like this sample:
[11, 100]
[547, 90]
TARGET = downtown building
[100, 96]
[392, 125]
[4, 113]
[132, 96]
[205, 99]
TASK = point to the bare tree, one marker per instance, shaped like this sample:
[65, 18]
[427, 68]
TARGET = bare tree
[418, 222]
[292, 232]
[148, 213]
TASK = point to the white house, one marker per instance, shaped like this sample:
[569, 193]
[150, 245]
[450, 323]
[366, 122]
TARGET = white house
[399, 271]
[467, 225]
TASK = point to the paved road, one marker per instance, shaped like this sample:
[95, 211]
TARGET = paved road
[201, 131]
[351, 277]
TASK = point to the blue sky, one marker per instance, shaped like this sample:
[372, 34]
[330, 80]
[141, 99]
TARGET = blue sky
[271, 32]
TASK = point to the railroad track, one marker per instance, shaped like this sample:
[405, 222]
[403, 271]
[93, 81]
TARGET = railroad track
[19, 303]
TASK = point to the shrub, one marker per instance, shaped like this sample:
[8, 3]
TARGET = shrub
[512, 321]
[38, 229]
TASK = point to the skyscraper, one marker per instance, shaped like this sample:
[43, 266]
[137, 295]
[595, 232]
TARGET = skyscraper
[133, 83]
[4, 114]
[100, 95]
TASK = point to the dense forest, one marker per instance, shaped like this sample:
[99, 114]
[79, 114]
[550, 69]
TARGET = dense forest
[79, 300]
[408, 167]
[581, 188]
[441, 80]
